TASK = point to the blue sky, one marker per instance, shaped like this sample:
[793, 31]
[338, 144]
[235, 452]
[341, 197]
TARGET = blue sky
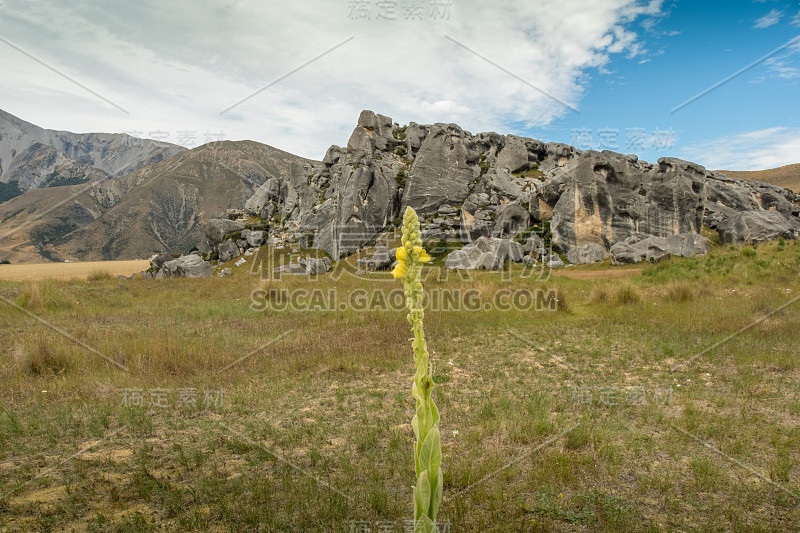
[295, 75]
[691, 48]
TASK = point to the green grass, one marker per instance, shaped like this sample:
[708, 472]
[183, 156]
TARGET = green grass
[313, 431]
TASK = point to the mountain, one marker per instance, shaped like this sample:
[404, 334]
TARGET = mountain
[160, 207]
[32, 157]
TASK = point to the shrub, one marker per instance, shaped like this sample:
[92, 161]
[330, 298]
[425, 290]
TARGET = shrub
[5, 262]
[748, 251]
[401, 179]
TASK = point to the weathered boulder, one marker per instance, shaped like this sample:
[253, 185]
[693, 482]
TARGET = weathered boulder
[187, 266]
[380, 259]
[290, 268]
[687, 245]
[254, 238]
[471, 227]
[553, 261]
[372, 132]
[754, 226]
[218, 228]
[511, 219]
[638, 248]
[486, 253]
[586, 253]
[157, 261]
[315, 266]
[365, 204]
[225, 272]
[514, 154]
[228, 250]
[534, 246]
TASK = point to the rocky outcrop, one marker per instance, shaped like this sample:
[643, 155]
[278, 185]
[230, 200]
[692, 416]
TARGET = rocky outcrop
[469, 186]
[315, 266]
[608, 197]
[444, 167]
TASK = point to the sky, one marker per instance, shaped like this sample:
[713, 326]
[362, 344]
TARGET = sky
[715, 82]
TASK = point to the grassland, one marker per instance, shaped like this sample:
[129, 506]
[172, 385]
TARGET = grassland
[662, 400]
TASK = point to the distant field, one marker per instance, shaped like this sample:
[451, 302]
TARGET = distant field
[787, 176]
[37, 271]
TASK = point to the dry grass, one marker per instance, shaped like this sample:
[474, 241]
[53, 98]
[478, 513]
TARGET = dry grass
[66, 271]
[535, 404]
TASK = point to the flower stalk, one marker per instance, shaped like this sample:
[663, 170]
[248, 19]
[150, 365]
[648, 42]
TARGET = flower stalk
[411, 256]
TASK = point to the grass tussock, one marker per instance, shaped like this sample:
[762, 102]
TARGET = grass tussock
[45, 356]
[599, 295]
[99, 274]
[680, 292]
[42, 295]
[628, 294]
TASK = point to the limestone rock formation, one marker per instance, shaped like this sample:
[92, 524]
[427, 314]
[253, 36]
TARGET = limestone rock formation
[609, 197]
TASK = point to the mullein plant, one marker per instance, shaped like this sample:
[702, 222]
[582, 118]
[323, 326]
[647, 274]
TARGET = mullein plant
[411, 256]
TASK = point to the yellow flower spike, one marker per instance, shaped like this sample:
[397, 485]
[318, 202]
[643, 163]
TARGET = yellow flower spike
[427, 448]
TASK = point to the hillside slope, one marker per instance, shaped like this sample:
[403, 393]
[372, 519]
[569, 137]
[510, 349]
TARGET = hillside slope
[787, 176]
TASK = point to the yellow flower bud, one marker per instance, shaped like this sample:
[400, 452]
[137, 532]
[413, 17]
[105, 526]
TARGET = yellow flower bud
[401, 254]
[424, 257]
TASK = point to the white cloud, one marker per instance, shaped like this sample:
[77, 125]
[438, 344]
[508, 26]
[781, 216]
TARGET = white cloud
[770, 19]
[175, 65]
[754, 150]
